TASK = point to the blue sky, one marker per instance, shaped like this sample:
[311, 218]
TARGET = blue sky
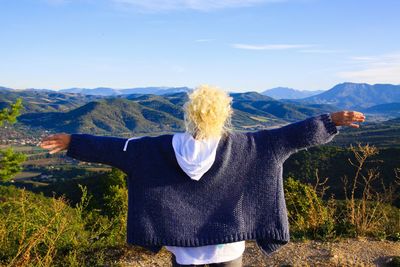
[238, 45]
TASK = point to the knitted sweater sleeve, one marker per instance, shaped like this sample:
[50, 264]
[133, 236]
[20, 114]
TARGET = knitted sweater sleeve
[313, 131]
[100, 149]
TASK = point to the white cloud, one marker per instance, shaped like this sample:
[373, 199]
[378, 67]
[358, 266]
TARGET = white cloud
[363, 59]
[321, 51]
[270, 46]
[200, 5]
[374, 69]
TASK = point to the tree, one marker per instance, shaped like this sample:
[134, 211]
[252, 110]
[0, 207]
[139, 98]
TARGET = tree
[10, 161]
[10, 114]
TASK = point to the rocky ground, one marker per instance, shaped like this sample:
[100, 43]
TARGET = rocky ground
[348, 252]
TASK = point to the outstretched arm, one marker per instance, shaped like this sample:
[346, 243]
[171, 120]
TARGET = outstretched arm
[90, 148]
[312, 131]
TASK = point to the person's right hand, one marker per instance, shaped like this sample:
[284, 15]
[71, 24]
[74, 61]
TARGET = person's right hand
[56, 142]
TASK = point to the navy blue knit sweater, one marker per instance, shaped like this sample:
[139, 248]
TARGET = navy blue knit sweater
[240, 198]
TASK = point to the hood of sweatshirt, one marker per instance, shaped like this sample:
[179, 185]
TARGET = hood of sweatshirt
[195, 157]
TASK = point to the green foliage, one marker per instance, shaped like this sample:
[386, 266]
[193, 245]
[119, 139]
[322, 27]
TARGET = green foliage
[106, 202]
[309, 216]
[333, 162]
[10, 163]
[312, 218]
[40, 231]
[101, 188]
[384, 224]
[111, 208]
[116, 194]
[10, 114]
[366, 211]
[33, 229]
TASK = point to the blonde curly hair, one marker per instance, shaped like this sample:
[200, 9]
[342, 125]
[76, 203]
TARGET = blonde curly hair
[208, 112]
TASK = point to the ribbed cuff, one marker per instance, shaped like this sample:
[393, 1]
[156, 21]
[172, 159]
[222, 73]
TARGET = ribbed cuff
[328, 123]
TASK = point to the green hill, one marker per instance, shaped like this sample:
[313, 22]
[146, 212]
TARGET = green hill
[155, 114]
[260, 105]
[106, 117]
[43, 100]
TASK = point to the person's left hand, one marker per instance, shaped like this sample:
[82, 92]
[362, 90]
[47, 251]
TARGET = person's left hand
[56, 142]
[347, 118]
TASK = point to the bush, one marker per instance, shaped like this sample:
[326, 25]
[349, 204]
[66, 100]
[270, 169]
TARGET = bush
[40, 231]
[309, 216]
[34, 229]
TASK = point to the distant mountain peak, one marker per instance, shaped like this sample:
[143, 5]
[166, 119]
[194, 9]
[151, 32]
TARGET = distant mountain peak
[289, 93]
[253, 96]
[105, 91]
[357, 95]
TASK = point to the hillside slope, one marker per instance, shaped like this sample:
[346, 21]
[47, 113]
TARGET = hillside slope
[357, 95]
[140, 113]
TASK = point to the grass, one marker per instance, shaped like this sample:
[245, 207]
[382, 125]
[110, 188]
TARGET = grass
[40, 231]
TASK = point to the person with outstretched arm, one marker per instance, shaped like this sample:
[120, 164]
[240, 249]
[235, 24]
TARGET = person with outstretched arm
[203, 192]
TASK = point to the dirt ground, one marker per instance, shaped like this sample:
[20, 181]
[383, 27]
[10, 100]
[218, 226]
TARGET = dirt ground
[349, 252]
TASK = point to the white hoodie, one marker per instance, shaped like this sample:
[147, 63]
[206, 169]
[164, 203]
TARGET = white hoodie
[196, 157]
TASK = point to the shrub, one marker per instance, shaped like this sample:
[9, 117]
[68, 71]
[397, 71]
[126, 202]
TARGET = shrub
[309, 216]
[34, 229]
[40, 231]
[372, 213]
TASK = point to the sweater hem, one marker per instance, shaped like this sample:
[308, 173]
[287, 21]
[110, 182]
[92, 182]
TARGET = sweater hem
[276, 235]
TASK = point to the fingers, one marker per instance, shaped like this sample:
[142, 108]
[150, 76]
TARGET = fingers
[49, 146]
[353, 120]
[53, 137]
[56, 150]
[353, 115]
[45, 143]
[352, 125]
[50, 137]
[55, 143]
[348, 118]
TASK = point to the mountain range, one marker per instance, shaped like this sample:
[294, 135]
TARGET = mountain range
[105, 91]
[344, 95]
[289, 93]
[107, 116]
[35, 100]
[143, 112]
[357, 95]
